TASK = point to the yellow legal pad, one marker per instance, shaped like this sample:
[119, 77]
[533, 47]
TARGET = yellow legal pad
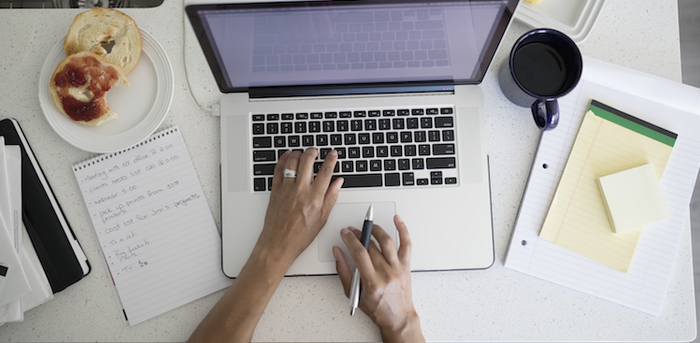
[608, 141]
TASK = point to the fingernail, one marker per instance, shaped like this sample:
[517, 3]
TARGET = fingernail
[344, 231]
[335, 254]
[399, 219]
[333, 153]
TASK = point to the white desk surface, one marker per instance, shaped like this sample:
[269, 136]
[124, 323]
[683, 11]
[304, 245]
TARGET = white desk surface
[497, 304]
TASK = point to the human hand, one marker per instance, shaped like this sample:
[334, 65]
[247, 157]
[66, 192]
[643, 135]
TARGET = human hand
[299, 207]
[386, 281]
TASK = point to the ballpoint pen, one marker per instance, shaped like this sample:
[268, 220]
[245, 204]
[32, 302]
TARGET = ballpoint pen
[364, 238]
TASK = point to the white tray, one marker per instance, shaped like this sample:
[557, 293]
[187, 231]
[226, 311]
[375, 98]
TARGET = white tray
[572, 17]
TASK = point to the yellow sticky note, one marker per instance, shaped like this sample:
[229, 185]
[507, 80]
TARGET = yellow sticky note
[608, 141]
[632, 198]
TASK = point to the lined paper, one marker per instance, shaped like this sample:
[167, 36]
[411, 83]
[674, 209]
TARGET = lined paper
[154, 225]
[577, 219]
[644, 286]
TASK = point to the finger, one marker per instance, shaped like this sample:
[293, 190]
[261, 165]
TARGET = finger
[342, 266]
[305, 171]
[386, 243]
[330, 198]
[375, 254]
[359, 253]
[292, 164]
[279, 168]
[323, 177]
[406, 246]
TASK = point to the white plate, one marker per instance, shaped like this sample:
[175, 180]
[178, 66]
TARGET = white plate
[141, 107]
[572, 17]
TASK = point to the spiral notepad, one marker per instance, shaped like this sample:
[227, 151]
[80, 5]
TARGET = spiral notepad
[154, 225]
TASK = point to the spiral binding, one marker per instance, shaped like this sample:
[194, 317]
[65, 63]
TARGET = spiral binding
[104, 157]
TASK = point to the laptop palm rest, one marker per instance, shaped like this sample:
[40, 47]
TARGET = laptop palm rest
[353, 214]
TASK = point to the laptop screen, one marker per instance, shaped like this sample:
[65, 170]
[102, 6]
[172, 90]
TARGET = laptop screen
[349, 43]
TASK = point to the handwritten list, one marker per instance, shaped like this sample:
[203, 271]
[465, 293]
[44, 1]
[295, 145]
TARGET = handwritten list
[154, 225]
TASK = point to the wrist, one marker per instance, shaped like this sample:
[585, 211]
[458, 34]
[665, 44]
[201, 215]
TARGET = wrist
[407, 331]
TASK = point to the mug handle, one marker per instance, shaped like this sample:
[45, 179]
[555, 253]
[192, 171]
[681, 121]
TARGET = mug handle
[546, 113]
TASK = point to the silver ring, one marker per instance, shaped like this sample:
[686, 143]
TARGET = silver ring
[289, 173]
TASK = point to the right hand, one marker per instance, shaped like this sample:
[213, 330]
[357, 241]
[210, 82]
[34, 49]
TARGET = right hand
[386, 281]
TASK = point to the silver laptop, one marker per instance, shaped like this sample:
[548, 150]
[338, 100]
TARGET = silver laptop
[391, 85]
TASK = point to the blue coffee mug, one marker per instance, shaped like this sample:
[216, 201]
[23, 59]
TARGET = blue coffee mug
[544, 65]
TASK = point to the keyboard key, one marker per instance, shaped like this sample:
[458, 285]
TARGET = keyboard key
[398, 123]
[422, 182]
[444, 122]
[314, 126]
[259, 184]
[424, 149]
[258, 129]
[406, 137]
[324, 152]
[411, 123]
[286, 127]
[322, 140]
[287, 116]
[378, 137]
[419, 136]
[356, 125]
[354, 152]
[396, 151]
[392, 179]
[448, 135]
[316, 115]
[342, 153]
[307, 140]
[426, 123]
[375, 165]
[404, 112]
[280, 141]
[329, 126]
[345, 114]
[302, 116]
[262, 142]
[331, 115]
[350, 139]
[294, 141]
[373, 113]
[382, 151]
[432, 110]
[360, 180]
[264, 169]
[259, 117]
[404, 164]
[446, 110]
[436, 178]
[389, 113]
[417, 112]
[389, 164]
[269, 183]
[300, 127]
[443, 149]
[347, 166]
[273, 117]
[367, 152]
[450, 180]
[363, 138]
[408, 179]
[440, 162]
[392, 137]
[417, 163]
[385, 124]
[264, 156]
[343, 125]
[336, 139]
[272, 128]
[359, 114]
[410, 150]
[434, 136]
[370, 124]
[361, 165]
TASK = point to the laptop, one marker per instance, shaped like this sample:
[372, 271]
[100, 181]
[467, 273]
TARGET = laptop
[391, 85]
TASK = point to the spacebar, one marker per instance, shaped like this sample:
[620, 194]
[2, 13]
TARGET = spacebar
[360, 180]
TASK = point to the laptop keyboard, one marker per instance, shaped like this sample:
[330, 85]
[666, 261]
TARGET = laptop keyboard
[402, 147]
[355, 40]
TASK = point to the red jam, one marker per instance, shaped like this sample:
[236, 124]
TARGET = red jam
[76, 73]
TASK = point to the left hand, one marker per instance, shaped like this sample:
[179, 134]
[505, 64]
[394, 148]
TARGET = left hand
[299, 207]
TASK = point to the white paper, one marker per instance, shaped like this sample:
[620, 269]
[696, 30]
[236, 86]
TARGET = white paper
[670, 105]
[16, 283]
[154, 225]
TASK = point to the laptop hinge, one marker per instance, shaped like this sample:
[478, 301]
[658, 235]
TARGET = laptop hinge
[359, 90]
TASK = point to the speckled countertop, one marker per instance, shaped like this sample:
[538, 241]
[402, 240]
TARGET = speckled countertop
[497, 304]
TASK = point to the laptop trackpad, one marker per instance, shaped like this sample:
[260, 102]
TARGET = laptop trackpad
[353, 214]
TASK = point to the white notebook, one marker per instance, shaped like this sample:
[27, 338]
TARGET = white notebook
[154, 225]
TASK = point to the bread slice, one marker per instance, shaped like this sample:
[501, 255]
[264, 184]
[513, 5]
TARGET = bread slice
[79, 87]
[108, 33]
